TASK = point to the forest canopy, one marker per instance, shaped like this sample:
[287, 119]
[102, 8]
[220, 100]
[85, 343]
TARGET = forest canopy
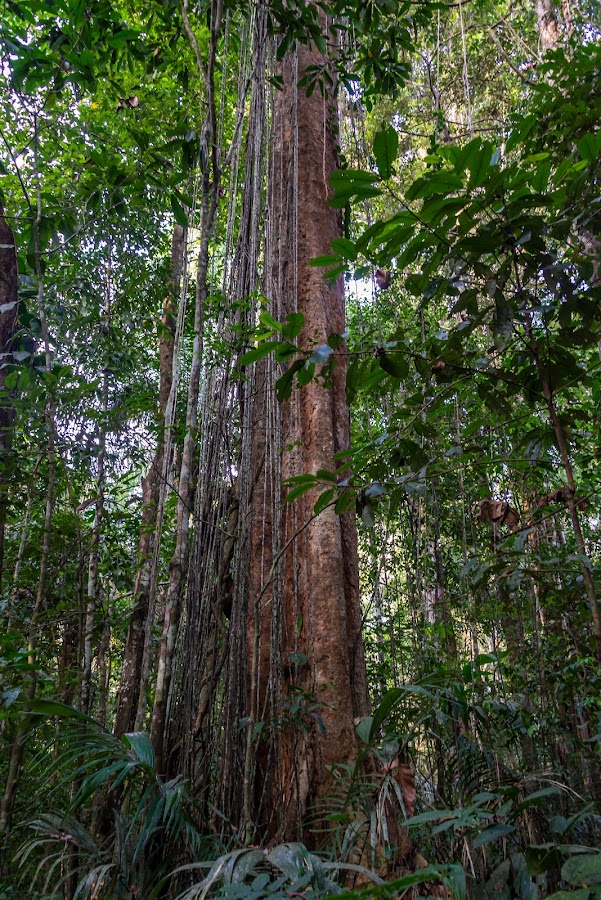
[300, 343]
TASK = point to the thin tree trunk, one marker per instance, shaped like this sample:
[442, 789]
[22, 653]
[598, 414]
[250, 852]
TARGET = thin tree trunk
[18, 747]
[570, 494]
[548, 28]
[211, 181]
[179, 560]
[66, 686]
[104, 667]
[9, 316]
[92, 587]
[129, 688]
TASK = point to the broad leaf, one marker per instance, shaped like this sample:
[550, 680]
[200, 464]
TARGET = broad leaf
[386, 144]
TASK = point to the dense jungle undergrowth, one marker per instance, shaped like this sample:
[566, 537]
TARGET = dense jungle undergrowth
[300, 456]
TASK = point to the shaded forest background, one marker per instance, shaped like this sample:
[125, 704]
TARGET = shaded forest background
[300, 339]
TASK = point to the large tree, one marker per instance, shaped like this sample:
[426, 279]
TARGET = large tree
[307, 668]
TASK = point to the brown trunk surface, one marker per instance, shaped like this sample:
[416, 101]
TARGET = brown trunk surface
[548, 28]
[127, 701]
[9, 314]
[309, 605]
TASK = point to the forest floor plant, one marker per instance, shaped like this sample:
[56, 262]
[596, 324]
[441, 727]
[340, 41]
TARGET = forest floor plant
[506, 829]
[154, 823]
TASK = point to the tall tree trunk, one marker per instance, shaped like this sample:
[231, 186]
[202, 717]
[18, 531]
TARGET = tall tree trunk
[179, 560]
[85, 695]
[18, 747]
[586, 567]
[9, 316]
[305, 617]
[104, 667]
[178, 566]
[129, 688]
[548, 27]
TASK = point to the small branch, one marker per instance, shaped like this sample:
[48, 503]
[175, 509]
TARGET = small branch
[19, 176]
[507, 59]
[194, 42]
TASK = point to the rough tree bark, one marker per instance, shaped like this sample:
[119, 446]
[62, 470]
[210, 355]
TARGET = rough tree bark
[93, 582]
[18, 747]
[178, 566]
[127, 701]
[311, 610]
[9, 315]
[586, 567]
[548, 26]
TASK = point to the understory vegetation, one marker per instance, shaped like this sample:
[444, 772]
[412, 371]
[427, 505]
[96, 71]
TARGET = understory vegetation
[300, 449]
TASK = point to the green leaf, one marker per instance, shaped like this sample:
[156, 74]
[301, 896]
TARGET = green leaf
[433, 815]
[306, 372]
[478, 161]
[284, 351]
[345, 248]
[352, 183]
[387, 704]
[324, 500]
[394, 364]
[585, 869]
[54, 708]
[332, 274]
[306, 478]
[241, 864]
[328, 259]
[344, 502]
[10, 695]
[542, 857]
[297, 658]
[452, 875]
[386, 145]
[268, 321]
[589, 147]
[251, 356]
[120, 38]
[492, 834]
[178, 212]
[327, 475]
[582, 894]
[292, 859]
[533, 799]
[139, 742]
[296, 492]
[442, 182]
[364, 728]
[284, 384]
[293, 325]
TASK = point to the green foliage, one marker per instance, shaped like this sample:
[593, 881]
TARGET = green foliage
[291, 868]
[149, 812]
[254, 873]
[490, 814]
[479, 196]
